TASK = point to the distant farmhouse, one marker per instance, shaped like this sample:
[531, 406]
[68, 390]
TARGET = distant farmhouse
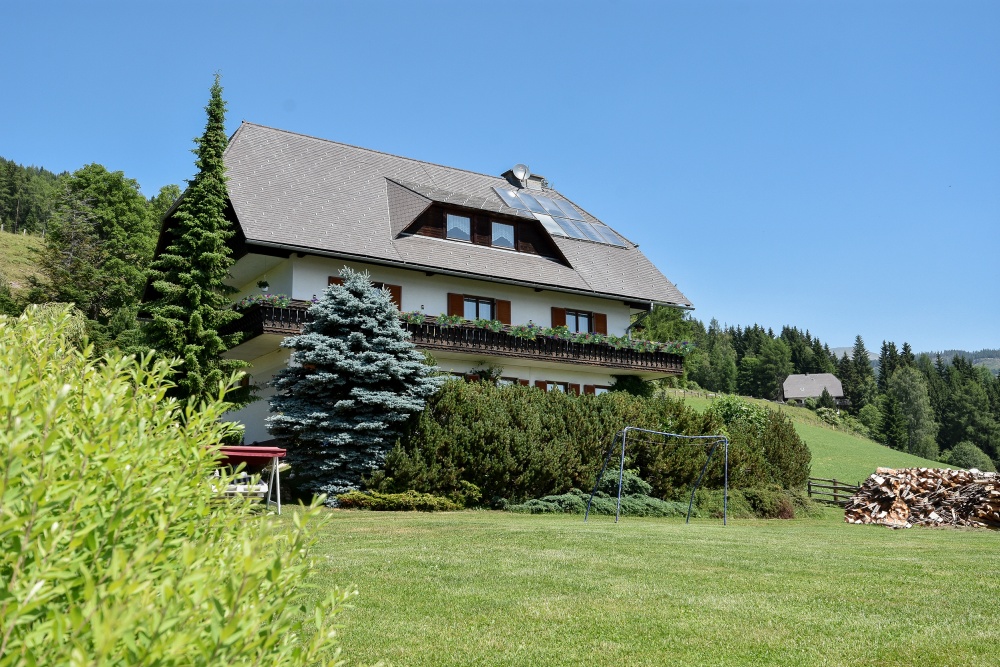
[797, 388]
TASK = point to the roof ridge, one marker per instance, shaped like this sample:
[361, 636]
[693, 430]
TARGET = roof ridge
[372, 150]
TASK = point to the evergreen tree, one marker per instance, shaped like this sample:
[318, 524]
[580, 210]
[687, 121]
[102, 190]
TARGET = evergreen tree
[906, 356]
[888, 360]
[191, 301]
[893, 431]
[908, 387]
[860, 389]
[355, 379]
[826, 400]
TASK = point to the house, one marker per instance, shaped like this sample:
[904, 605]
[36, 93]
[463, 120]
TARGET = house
[442, 240]
[797, 388]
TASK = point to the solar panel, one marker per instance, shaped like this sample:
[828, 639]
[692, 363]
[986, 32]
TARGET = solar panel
[570, 228]
[551, 207]
[589, 231]
[550, 225]
[531, 203]
[609, 236]
[510, 198]
[569, 211]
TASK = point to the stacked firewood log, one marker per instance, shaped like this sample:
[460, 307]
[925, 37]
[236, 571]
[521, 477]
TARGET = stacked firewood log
[927, 497]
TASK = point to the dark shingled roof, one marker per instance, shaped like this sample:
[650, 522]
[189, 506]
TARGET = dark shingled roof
[811, 385]
[293, 191]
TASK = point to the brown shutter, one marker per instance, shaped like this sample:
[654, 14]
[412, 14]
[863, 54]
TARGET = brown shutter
[558, 317]
[542, 384]
[574, 389]
[472, 377]
[524, 383]
[334, 280]
[503, 311]
[456, 304]
[589, 389]
[396, 291]
[601, 323]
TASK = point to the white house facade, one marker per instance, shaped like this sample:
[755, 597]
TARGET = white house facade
[443, 241]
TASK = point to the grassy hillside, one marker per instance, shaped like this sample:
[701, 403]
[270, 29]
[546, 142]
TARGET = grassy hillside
[19, 259]
[835, 454]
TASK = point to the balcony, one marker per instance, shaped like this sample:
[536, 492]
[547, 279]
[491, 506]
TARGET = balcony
[272, 323]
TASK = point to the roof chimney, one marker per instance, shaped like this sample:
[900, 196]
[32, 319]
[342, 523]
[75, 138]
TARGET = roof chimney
[536, 182]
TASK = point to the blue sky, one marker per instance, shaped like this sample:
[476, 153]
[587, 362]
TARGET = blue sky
[831, 165]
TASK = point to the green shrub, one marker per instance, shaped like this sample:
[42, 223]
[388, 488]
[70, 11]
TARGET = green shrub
[631, 483]
[519, 443]
[409, 501]
[113, 550]
[967, 455]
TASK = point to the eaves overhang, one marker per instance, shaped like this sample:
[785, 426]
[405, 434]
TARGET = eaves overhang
[631, 302]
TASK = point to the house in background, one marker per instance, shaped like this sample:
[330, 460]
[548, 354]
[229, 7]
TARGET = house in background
[798, 388]
[442, 240]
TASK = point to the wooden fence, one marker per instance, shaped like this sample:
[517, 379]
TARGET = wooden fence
[831, 490]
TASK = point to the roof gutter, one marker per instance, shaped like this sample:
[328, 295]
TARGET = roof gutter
[302, 250]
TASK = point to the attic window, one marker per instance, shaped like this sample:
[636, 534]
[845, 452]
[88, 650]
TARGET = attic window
[459, 227]
[503, 235]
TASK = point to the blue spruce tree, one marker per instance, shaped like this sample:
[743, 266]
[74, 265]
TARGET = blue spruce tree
[355, 379]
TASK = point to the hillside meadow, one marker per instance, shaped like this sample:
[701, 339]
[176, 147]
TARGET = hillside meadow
[19, 255]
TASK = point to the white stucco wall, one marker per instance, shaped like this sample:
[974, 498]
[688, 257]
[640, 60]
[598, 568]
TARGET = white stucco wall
[429, 294]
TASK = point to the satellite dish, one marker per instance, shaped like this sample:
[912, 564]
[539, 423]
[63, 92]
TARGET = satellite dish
[520, 171]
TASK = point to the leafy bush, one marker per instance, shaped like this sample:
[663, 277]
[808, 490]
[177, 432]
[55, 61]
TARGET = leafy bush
[967, 455]
[518, 443]
[409, 501]
[113, 550]
[276, 300]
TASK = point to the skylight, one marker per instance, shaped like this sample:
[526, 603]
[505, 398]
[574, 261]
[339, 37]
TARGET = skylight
[559, 217]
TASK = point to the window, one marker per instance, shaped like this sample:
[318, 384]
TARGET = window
[601, 390]
[478, 307]
[506, 382]
[556, 386]
[503, 235]
[458, 227]
[579, 321]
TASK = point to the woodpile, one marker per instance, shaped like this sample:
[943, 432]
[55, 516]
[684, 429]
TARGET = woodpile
[927, 497]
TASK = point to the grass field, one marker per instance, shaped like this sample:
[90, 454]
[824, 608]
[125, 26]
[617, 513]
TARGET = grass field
[19, 258]
[492, 588]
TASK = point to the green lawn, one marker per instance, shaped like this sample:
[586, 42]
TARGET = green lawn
[492, 588]
[19, 258]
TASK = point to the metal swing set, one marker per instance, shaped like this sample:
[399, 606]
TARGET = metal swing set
[710, 441]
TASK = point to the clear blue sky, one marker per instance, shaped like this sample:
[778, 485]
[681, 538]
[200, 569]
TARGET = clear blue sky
[831, 165]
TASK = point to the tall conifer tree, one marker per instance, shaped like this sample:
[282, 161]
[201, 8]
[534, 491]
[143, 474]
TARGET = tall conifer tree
[191, 300]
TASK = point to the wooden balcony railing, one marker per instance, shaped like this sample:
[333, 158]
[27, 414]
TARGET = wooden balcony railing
[289, 320]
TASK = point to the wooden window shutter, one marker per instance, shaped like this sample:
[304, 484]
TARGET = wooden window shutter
[472, 377]
[574, 389]
[601, 323]
[456, 304]
[542, 384]
[396, 291]
[524, 383]
[334, 280]
[558, 317]
[503, 311]
[589, 389]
